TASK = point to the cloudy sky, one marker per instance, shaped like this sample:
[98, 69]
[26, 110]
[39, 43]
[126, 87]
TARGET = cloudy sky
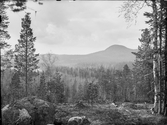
[79, 27]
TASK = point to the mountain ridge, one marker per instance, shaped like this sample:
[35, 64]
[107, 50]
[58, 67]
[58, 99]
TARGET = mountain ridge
[110, 56]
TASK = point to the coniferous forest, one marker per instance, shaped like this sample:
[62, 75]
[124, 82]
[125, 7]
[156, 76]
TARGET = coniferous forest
[106, 95]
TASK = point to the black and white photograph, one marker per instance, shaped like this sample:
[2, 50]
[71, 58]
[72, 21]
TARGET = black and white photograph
[83, 62]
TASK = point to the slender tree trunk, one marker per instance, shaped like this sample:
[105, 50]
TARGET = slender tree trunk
[160, 61]
[26, 67]
[125, 94]
[0, 89]
[155, 58]
[135, 89]
[165, 84]
[114, 92]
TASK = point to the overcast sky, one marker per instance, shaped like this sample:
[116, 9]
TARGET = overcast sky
[77, 27]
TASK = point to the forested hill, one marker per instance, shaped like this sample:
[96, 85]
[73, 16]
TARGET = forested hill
[114, 56]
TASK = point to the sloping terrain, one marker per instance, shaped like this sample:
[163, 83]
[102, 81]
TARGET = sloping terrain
[111, 56]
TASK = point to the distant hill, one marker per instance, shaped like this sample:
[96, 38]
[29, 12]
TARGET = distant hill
[112, 56]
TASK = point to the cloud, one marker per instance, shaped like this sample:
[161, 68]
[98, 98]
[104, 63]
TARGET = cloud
[78, 27]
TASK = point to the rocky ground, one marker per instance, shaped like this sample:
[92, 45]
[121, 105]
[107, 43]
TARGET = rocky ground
[125, 114]
[98, 114]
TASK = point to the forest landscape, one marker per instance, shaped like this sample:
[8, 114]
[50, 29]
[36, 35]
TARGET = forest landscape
[82, 62]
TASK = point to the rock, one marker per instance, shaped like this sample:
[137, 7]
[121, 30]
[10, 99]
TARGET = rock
[5, 108]
[23, 115]
[9, 115]
[40, 111]
[15, 115]
[78, 120]
[113, 104]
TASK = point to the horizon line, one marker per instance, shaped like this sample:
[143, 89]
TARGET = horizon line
[75, 54]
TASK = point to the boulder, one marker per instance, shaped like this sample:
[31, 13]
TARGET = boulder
[79, 120]
[5, 108]
[40, 111]
[14, 115]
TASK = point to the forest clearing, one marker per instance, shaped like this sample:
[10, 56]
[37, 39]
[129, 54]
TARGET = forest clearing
[126, 113]
[107, 114]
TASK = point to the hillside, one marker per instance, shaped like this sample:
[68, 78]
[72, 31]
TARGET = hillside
[112, 56]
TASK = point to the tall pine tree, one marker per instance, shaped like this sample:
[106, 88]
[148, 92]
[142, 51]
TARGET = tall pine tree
[25, 58]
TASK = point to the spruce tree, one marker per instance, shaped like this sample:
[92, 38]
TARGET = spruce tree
[92, 93]
[25, 58]
[59, 87]
[143, 66]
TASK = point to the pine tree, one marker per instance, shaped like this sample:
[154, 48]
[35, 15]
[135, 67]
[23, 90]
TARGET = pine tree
[25, 58]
